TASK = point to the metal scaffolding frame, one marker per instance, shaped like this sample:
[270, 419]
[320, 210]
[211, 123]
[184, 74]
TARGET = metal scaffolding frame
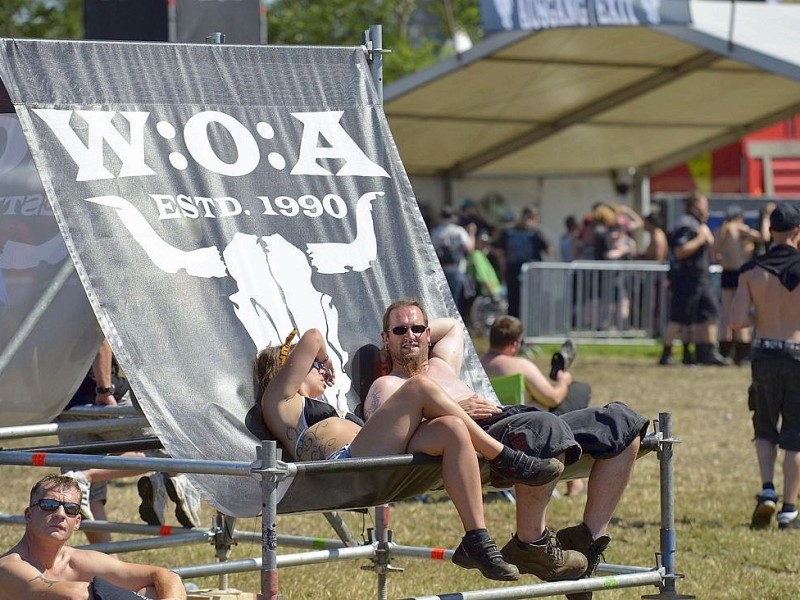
[379, 549]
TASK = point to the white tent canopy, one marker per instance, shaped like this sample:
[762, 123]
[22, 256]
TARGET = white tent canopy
[575, 101]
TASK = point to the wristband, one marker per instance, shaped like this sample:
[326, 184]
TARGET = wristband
[106, 391]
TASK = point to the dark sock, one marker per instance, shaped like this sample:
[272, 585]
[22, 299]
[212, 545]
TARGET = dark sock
[787, 508]
[506, 454]
[476, 535]
[768, 485]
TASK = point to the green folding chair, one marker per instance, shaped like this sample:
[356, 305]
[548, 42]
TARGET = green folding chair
[510, 389]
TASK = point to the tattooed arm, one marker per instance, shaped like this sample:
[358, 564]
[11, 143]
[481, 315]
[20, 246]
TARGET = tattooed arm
[379, 392]
[20, 579]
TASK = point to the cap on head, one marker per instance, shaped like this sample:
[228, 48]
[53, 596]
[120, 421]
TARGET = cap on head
[467, 203]
[785, 217]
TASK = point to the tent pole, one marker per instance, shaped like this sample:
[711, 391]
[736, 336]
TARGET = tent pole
[269, 516]
[373, 40]
[25, 329]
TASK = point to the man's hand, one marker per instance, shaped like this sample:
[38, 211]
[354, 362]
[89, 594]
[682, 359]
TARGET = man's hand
[479, 408]
[706, 233]
[105, 400]
[564, 377]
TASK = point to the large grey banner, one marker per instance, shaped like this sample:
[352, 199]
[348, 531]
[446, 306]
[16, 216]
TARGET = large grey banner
[48, 333]
[214, 197]
[500, 15]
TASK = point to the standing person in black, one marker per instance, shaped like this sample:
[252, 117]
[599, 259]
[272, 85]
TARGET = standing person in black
[522, 242]
[768, 299]
[693, 305]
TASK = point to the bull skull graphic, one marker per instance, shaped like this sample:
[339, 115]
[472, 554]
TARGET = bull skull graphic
[274, 278]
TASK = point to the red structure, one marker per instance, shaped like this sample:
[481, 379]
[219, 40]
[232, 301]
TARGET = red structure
[764, 163]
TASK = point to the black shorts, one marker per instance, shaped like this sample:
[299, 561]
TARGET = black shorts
[605, 432]
[601, 432]
[692, 302]
[729, 279]
[579, 394]
[775, 397]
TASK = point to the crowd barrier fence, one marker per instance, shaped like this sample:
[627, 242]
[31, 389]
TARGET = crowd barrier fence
[614, 302]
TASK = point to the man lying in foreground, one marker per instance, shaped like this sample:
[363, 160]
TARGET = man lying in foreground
[42, 566]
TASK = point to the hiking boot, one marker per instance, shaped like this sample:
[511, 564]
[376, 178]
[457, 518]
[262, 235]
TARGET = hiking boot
[578, 537]
[153, 493]
[519, 467]
[86, 489]
[548, 561]
[788, 520]
[766, 505]
[186, 499]
[478, 551]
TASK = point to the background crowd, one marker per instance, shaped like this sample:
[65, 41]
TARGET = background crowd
[482, 257]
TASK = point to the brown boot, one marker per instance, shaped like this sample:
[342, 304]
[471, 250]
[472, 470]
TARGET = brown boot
[580, 538]
[547, 561]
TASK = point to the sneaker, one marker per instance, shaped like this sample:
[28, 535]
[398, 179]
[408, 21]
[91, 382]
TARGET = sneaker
[153, 493]
[766, 505]
[788, 520]
[481, 553]
[549, 561]
[525, 469]
[186, 499]
[86, 489]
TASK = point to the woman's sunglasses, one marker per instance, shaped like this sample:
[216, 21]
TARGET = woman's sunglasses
[415, 329]
[72, 509]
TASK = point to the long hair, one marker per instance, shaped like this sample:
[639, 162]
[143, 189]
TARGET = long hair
[265, 367]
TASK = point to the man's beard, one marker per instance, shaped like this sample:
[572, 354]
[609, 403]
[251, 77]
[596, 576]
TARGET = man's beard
[412, 363]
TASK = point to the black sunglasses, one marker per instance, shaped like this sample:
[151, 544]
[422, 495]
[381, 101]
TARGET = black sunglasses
[72, 509]
[415, 329]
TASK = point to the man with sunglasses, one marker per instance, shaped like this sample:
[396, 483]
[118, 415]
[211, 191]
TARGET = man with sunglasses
[41, 565]
[413, 347]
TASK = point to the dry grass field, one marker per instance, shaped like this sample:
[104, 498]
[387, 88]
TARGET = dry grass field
[715, 474]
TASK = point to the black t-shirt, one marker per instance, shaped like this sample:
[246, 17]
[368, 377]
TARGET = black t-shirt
[696, 265]
[523, 245]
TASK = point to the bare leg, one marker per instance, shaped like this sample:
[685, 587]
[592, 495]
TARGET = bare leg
[98, 537]
[532, 510]
[98, 475]
[791, 476]
[767, 454]
[575, 487]
[448, 437]
[607, 482]
[418, 398]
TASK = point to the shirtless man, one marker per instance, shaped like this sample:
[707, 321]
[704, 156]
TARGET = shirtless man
[437, 353]
[558, 397]
[41, 565]
[733, 246]
[770, 285]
